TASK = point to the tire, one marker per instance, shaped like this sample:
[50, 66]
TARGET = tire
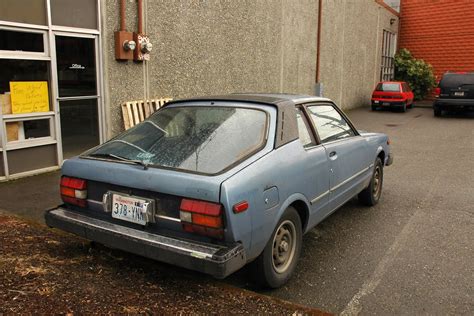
[275, 265]
[404, 107]
[437, 112]
[374, 108]
[371, 195]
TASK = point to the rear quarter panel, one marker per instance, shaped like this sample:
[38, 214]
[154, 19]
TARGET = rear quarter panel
[279, 171]
[377, 143]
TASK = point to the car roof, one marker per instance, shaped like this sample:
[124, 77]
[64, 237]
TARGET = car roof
[266, 98]
[392, 82]
[287, 127]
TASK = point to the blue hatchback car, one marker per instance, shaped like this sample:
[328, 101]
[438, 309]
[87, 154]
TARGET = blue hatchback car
[214, 183]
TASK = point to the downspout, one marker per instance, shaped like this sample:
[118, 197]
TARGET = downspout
[318, 86]
[140, 16]
[122, 15]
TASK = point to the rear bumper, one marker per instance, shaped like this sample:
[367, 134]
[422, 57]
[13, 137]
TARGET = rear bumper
[388, 103]
[218, 261]
[389, 159]
[448, 104]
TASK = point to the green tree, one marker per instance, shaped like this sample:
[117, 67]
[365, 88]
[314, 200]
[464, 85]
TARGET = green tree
[417, 72]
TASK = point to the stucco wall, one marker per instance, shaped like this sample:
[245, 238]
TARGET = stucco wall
[351, 49]
[212, 47]
[223, 46]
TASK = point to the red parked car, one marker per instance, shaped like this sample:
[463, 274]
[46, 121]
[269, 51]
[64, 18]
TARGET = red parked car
[392, 94]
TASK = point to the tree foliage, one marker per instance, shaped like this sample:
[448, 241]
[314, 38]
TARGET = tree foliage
[416, 72]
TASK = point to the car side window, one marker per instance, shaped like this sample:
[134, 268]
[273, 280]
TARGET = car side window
[330, 125]
[404, 88]
[303, 130]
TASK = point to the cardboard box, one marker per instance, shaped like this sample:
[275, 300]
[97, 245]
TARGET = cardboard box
[6, 103]
[12, 131]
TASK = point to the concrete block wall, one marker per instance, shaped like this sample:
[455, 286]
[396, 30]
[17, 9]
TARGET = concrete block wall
[440, 32]
[351, 49]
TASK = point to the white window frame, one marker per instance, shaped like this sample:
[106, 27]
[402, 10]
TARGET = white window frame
[14, 54]
[389, 46]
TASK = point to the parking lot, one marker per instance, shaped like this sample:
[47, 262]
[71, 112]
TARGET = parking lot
[411, 254]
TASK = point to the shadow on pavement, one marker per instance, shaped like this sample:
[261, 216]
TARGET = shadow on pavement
[30, 197]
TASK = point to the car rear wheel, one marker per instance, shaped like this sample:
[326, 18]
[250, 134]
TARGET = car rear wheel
[275, 265]
[371, 195]
[374, 107]
[404, 107]
[437, 112]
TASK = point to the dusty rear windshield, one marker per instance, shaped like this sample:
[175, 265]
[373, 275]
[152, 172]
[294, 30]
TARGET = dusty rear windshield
[388, 87]
[193, 138]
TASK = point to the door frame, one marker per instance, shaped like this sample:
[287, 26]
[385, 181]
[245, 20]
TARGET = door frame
[99, 82]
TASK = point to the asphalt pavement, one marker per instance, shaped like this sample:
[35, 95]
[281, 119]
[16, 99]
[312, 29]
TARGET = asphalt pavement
[413, 253]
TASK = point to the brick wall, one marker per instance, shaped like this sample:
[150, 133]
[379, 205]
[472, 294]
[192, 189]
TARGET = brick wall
[439, 31]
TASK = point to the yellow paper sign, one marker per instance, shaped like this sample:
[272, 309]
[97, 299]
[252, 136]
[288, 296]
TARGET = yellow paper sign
[29, 96]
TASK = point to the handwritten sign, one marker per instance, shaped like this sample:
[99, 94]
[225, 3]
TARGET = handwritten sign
[29, 96]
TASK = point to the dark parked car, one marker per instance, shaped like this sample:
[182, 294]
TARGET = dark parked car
[455, 92]
[214, 183]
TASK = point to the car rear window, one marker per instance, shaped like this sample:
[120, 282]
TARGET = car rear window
[456, 80]
[193, 138]
[388, 87]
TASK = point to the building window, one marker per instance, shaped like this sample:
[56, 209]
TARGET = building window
[389, 46]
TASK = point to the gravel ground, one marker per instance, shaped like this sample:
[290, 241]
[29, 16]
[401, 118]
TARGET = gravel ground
[44, 272]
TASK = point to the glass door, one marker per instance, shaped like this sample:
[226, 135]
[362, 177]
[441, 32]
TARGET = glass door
[78, 97]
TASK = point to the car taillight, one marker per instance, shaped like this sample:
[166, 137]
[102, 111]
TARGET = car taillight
[437, 91]
[204, 218]
[74, 191]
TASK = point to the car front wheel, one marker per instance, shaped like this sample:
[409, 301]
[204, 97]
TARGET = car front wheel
[371, 195]
[275, 265]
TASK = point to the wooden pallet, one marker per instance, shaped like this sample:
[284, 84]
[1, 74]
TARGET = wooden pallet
[135, 112]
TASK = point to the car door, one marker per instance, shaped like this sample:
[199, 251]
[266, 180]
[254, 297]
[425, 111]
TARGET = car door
[346, 150]
[314, 176]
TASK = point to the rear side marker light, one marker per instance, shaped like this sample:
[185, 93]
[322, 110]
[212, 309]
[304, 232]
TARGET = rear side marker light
[240, 207]
[74, 191]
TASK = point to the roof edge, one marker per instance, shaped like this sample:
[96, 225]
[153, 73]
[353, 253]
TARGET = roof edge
[387, 7]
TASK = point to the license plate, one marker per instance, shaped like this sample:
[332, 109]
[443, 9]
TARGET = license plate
[130, 209]
[459, 93]
[386, 103]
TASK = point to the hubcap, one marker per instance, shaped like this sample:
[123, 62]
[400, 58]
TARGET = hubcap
[284, 245]
[377, 182]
